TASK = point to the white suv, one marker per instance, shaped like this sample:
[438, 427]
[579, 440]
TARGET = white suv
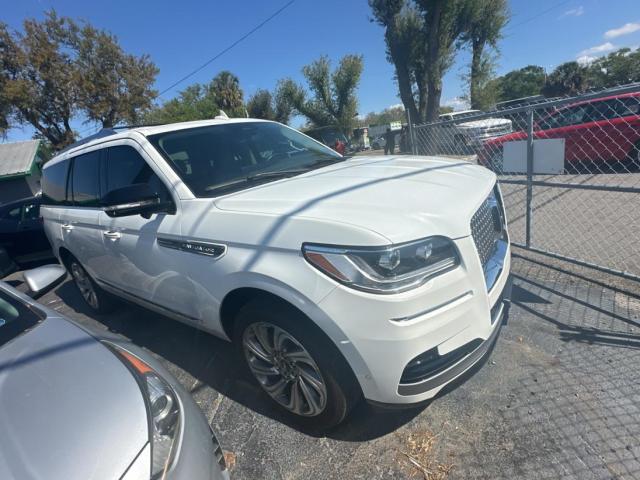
[382, 277]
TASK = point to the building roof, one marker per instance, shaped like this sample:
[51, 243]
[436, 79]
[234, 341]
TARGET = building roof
[17, 158]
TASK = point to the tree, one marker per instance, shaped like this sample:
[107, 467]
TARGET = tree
[405, 40]
[524, 82]
[486, 91]
[422, 37]
[263, 104]
[617, 68]
[567, 79]
[196, 102]
[260, 105]
[229, 96]
[486, 19]
[56, 68]
[332, 99]
[113, 86]
[388, 115]
[445, 21]
[39, 77]
[201, 102]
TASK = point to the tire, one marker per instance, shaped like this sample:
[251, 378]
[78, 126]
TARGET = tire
[95, 297]
[326, 387]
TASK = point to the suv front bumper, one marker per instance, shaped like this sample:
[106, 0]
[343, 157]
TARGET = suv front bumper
[452, 316]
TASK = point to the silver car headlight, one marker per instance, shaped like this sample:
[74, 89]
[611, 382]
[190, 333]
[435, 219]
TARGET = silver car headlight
[163, 411]
[390, 269]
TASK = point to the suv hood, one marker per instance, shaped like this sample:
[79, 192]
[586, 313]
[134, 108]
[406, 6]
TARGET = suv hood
[68, 407]
[400, 198]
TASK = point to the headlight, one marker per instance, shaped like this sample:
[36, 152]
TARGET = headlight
[386, 269]
[163, 411]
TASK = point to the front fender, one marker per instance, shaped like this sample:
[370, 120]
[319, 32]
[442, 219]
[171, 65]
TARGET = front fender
[307, 306]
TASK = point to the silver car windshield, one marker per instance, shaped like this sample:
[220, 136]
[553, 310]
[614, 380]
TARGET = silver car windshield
[218, 159]
[15, 317]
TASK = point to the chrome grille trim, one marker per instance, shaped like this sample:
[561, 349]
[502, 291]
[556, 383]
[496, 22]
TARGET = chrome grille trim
[488, 230]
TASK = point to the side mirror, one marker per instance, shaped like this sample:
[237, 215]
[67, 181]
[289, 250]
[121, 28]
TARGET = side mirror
[136, 199]
[42, 279]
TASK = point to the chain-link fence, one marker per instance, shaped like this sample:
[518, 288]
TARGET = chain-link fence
[569, 171]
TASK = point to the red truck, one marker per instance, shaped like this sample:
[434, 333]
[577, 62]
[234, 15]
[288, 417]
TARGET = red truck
[599, 132]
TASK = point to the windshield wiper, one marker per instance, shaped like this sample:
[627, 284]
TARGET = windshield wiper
[273, 174]
[255, 178]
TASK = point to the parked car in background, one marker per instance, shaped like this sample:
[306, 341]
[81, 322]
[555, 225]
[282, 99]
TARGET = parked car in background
[378, 143]
[466, 137]
[330, 136]
[79, 406]
[21, 231]
[382, 277]
[613, 121]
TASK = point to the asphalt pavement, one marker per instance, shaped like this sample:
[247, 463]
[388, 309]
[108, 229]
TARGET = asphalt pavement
[559, 397]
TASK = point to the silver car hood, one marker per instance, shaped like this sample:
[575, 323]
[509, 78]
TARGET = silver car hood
[68, 407]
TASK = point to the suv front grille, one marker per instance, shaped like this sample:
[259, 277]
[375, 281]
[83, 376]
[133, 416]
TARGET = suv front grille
[488, 227]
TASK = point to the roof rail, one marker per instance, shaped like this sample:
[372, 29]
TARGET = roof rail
[105, 132]
[123, 127]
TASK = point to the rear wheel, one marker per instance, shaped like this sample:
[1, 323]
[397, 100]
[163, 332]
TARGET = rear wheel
[92, 294]
[295, 364]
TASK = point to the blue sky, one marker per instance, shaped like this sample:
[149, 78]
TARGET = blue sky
[181, 36]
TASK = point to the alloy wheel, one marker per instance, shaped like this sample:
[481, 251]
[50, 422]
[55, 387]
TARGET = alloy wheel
[284, 369]
[84, 284]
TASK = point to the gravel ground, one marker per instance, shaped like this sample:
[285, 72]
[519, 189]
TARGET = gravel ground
[559, 397]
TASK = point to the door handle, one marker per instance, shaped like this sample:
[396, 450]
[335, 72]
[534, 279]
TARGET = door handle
[111, 235]
[67, 227]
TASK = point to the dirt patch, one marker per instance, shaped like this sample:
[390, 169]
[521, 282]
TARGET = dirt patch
[418, 459]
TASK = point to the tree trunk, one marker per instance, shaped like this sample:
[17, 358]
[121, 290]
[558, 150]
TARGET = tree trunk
[406, 93]
[423, 94]
[433, 102]
[433, 71]
[474, 80]
[433, 63]
[403, 77]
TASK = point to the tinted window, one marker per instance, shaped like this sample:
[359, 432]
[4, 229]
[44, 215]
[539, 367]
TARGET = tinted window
[125, 166]
[85, 179]
[565, 117]
[54, 183]
[624, 107]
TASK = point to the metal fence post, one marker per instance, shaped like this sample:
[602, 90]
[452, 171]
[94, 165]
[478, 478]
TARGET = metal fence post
[529, 211]
[411, 134]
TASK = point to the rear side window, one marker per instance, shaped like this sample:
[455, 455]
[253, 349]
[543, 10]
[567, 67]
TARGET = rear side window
[85, 183]
[125, 166]
[54, 183]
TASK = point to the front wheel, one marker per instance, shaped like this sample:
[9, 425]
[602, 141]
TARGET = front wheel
[295, 364]
[93, 295]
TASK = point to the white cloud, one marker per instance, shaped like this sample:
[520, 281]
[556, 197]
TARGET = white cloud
[457, 103]
[626, 29]
[605, 47]
[574, 12]
[396, 105]
[585, 59]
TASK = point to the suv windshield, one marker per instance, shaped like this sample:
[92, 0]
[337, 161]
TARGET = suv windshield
[218, 159]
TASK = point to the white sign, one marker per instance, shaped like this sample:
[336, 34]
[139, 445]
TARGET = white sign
[548, 156]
